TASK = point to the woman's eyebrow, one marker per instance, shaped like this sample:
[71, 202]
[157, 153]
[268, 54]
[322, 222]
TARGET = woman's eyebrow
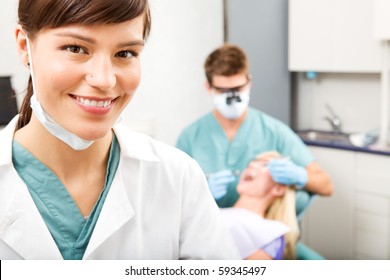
[132, 43]
[76, 36]
[93, 41]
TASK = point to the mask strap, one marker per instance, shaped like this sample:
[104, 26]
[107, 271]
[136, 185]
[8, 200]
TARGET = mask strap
[30, 60]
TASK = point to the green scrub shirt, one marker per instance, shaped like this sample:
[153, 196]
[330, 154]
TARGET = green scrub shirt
[206, 142]
[70, 230]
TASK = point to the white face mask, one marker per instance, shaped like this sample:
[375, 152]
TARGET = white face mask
[75, 142]
[235, 109]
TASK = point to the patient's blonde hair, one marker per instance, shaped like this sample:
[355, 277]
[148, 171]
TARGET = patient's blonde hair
[283, 210]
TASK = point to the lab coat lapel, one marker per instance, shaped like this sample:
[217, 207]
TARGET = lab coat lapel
[116, 211]
[22, 226]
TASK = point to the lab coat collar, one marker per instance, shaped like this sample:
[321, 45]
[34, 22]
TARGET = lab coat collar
[134, 145]
[6, 137]
[21, 225]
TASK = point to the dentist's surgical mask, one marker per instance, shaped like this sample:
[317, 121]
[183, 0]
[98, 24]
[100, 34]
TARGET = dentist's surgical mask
[232, 107]
[75, 142]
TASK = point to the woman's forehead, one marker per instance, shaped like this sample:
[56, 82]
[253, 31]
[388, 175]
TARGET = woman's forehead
[125, 31]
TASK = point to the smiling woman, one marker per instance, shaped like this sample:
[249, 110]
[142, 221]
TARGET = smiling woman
[85, 67]
[75, 183]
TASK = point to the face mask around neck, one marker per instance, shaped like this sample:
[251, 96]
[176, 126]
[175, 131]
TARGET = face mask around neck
[72, 140]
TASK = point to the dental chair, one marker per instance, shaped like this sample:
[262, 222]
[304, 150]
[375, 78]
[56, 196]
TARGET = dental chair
[303, 201]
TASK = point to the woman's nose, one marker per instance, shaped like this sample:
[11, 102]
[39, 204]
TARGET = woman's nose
[102, 74]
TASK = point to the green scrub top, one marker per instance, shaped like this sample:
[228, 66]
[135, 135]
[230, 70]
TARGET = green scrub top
[206, 142]
[70, 230]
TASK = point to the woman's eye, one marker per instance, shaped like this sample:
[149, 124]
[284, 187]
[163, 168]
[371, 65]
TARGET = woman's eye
[75, 49]
[125, 54]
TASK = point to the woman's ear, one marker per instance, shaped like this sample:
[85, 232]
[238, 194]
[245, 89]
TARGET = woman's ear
[278, 190]
[21, 44]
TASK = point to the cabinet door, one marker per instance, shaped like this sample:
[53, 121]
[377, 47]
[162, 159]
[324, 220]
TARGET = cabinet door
[371, 234]
[372, 206]
[333, 36]
[328, 225]
[310, 30]
[372, 172]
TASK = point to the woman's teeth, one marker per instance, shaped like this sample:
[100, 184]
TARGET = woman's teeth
[94, 103]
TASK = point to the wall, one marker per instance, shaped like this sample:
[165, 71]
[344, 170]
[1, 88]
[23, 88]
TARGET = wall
[355, 98]
[10, 64]
[260, 28]
[171, 94]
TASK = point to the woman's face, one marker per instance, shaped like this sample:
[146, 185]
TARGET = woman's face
[255, 180]
[86, 75]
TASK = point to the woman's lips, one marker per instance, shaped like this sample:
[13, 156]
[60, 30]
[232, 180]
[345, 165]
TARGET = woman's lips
[95, 105]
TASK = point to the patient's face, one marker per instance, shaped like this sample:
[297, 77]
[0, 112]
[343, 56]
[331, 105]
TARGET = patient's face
[255, 180]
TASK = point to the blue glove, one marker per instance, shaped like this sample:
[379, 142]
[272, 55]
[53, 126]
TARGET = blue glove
[218, 183]
[285, 172]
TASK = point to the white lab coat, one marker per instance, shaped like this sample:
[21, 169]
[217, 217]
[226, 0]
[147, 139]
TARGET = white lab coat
[158, 207]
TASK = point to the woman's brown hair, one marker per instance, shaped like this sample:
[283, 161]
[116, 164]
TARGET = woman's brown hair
[35, 15]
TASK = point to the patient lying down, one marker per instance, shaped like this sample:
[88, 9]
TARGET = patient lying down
[263, 222]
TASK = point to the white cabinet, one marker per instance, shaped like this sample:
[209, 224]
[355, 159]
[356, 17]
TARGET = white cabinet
[328, 225]
[354, 223]
[372, 197]
[382, 19]
[333, 36]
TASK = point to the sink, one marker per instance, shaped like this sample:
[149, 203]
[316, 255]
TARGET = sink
[327, 137]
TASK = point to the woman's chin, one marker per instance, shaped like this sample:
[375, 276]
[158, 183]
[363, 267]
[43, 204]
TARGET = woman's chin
[242, 186]
[90, 130]
[92, 135]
